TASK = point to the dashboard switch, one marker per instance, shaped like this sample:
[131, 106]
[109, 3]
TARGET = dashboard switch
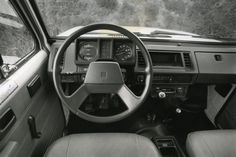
[180, 91]
[140, 79]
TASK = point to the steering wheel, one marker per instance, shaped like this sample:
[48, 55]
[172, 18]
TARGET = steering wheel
[102, 77]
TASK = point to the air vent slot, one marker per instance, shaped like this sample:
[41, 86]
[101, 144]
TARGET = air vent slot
[141, 61]
[118, 36]
[187, 61]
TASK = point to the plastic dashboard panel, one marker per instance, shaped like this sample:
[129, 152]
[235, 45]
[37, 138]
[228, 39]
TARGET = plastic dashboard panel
[211, 63]
[216, 63]
[69, 65]
[216, 67]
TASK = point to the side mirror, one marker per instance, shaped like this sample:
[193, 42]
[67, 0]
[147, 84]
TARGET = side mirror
[6, 69]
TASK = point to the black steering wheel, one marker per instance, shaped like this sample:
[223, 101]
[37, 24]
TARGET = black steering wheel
[102, 77]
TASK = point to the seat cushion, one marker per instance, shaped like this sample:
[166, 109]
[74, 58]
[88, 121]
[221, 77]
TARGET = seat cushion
[214, 143]
[103, 145]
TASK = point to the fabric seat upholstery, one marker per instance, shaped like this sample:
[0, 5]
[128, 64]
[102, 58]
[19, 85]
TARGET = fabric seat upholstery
[214, 143]
[103, 145]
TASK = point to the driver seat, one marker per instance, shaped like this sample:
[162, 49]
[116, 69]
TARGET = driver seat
[103, 145]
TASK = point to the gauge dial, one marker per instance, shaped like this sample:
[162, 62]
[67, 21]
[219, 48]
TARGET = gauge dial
[123, 52]
[88, 51]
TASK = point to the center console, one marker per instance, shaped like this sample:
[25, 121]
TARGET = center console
[173, 72]
[168, 146]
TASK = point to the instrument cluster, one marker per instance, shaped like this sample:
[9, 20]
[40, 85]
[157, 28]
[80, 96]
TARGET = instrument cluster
[121, 51]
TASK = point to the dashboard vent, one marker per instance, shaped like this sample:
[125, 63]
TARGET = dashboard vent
[141, 61]
[118, 36]
[187, 60]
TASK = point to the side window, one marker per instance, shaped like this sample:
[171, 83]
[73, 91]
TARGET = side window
[15, 39]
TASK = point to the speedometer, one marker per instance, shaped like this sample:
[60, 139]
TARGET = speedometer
[88, 51]
[123, 52]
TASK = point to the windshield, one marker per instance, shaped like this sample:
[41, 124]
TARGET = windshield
[216, 18]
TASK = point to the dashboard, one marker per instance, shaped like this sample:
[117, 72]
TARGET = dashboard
[176, 65]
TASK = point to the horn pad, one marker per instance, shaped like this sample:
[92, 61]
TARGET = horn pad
[104, 73]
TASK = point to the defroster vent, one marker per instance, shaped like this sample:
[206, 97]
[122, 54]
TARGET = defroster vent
[187, 61]
[141, 61]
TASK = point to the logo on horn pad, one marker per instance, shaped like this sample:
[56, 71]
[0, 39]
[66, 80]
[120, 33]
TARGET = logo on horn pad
[104, 76]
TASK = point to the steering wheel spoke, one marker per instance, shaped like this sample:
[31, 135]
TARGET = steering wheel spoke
[128, 97]
[78, 97]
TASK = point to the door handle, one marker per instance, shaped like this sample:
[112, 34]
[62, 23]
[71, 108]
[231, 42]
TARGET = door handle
[33, 129]
[7, 120]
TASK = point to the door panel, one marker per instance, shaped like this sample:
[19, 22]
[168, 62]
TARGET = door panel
[44, 105]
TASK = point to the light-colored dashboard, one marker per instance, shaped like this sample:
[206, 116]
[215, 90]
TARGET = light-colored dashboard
[195, 63]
